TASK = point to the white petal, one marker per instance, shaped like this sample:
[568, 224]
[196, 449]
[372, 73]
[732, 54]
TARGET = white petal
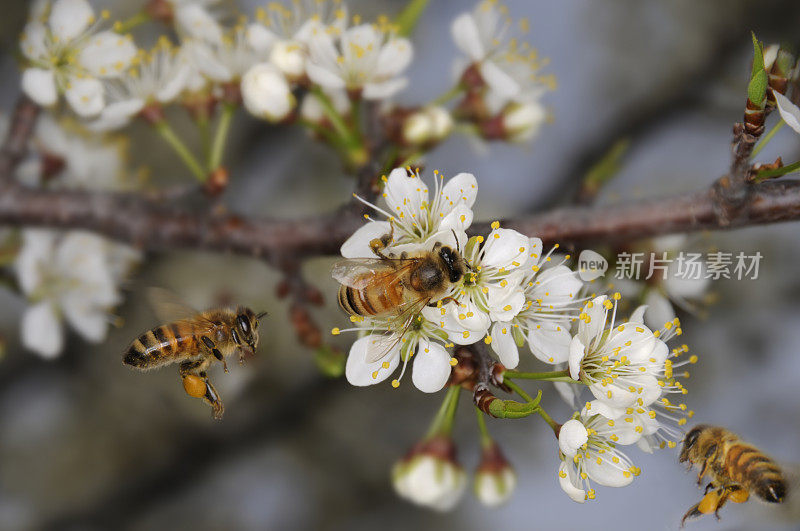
[577, 351]
[41, 330]
[69, 18]
[632, 340]
[88, 321]
[570, 393]
[556, 287]
[607, 473]
[324, 77]
[34, 257]
[505, 248]
[504, 345]
[459, 219]
[567, 480]
[394, 57]
[431, 367]
[614, 395]
[40, 86]
[550, 341]
[505, 304]
[499, 81]
[384, 89]
[464, 324]
[595, 314]
[789, 111]
[116, 115]
[638, 314]
[193, 19]
[33, 42]
[260, 38]
[466, 36]
[461, 189]
[357, 245]
[107, 54]
[572, 436]
[686, 288]
[405, 194]
[659, 309]
[598, 407]
[360, 372]
[85, 96]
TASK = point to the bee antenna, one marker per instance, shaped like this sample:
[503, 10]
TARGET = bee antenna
[458, 245]
[260, 315]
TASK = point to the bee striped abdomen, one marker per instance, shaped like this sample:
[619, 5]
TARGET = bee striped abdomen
[750, 467]
[160, 346]
[374, 299]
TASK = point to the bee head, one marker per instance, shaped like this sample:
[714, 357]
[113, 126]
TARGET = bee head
[453, 263]
[690, 441]
[245, 331]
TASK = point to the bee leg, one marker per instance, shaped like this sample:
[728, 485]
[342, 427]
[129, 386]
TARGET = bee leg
[196, 384]
[709, 487]
[723, 498]
[693, 512]
[703, 472]
[215, 351]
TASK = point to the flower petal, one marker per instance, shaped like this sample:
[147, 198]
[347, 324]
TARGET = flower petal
[357, 245]
[194, 20]
[361, 372]
[465, 34]
[577, 351]
[607, 473]
[394, 57]
[85, 96]
[567, 479]
[384, 89]
[107, 54]
[405, 194]
[571, 437]
[461, 189]
[41, 330]
[431, 367]
[594, 320]
[550, 341]
[659, 309]
[504, 345]
[40, 86]
[69, 18]
[33, 40]
[789, 111]
[505, 248]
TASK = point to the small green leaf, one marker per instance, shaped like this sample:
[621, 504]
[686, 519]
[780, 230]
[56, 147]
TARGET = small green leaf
[330, 362]
[757, 88]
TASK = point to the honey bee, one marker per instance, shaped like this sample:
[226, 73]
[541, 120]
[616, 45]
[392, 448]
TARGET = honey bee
[195, 340]
[385, 285]
[737, 469]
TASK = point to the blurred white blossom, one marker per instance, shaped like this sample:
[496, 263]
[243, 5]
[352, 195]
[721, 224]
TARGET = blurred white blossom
[67, 53]
[266, 93]
[430, 476]
[71, 277]
[365, 59]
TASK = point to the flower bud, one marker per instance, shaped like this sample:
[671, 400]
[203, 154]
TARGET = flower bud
[430, 124]
[495, 480]
[522, 121]
[429, 475]
[571, 437]
[289, 57]
[312, 111]
[266, 93]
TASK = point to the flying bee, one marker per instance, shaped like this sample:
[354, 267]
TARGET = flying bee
[737, 469]
[195, 340]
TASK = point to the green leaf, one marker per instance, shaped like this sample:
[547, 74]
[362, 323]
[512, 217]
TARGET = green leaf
[408, 18]
[330, 362]
[757, 88]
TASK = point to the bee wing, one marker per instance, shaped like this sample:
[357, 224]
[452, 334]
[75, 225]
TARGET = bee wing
[407, 312]
[359, 272]
[168, 306]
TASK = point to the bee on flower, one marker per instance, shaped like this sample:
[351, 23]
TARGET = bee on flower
[67, 53]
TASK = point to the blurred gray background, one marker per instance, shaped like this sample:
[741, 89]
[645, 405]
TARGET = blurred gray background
[87, 444]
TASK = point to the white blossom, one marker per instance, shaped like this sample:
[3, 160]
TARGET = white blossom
[266, 93]
[588, 452]
[522, 121]
[226, 61]
[626, 364]
[491, 290]
[365, 59]
[312, 110]
[65, 156]
[66, 53]
[284, 32]
[194, 19]
[70, 277]
[495, 479]
[551, 303]
[158, 78]
[417, 218]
